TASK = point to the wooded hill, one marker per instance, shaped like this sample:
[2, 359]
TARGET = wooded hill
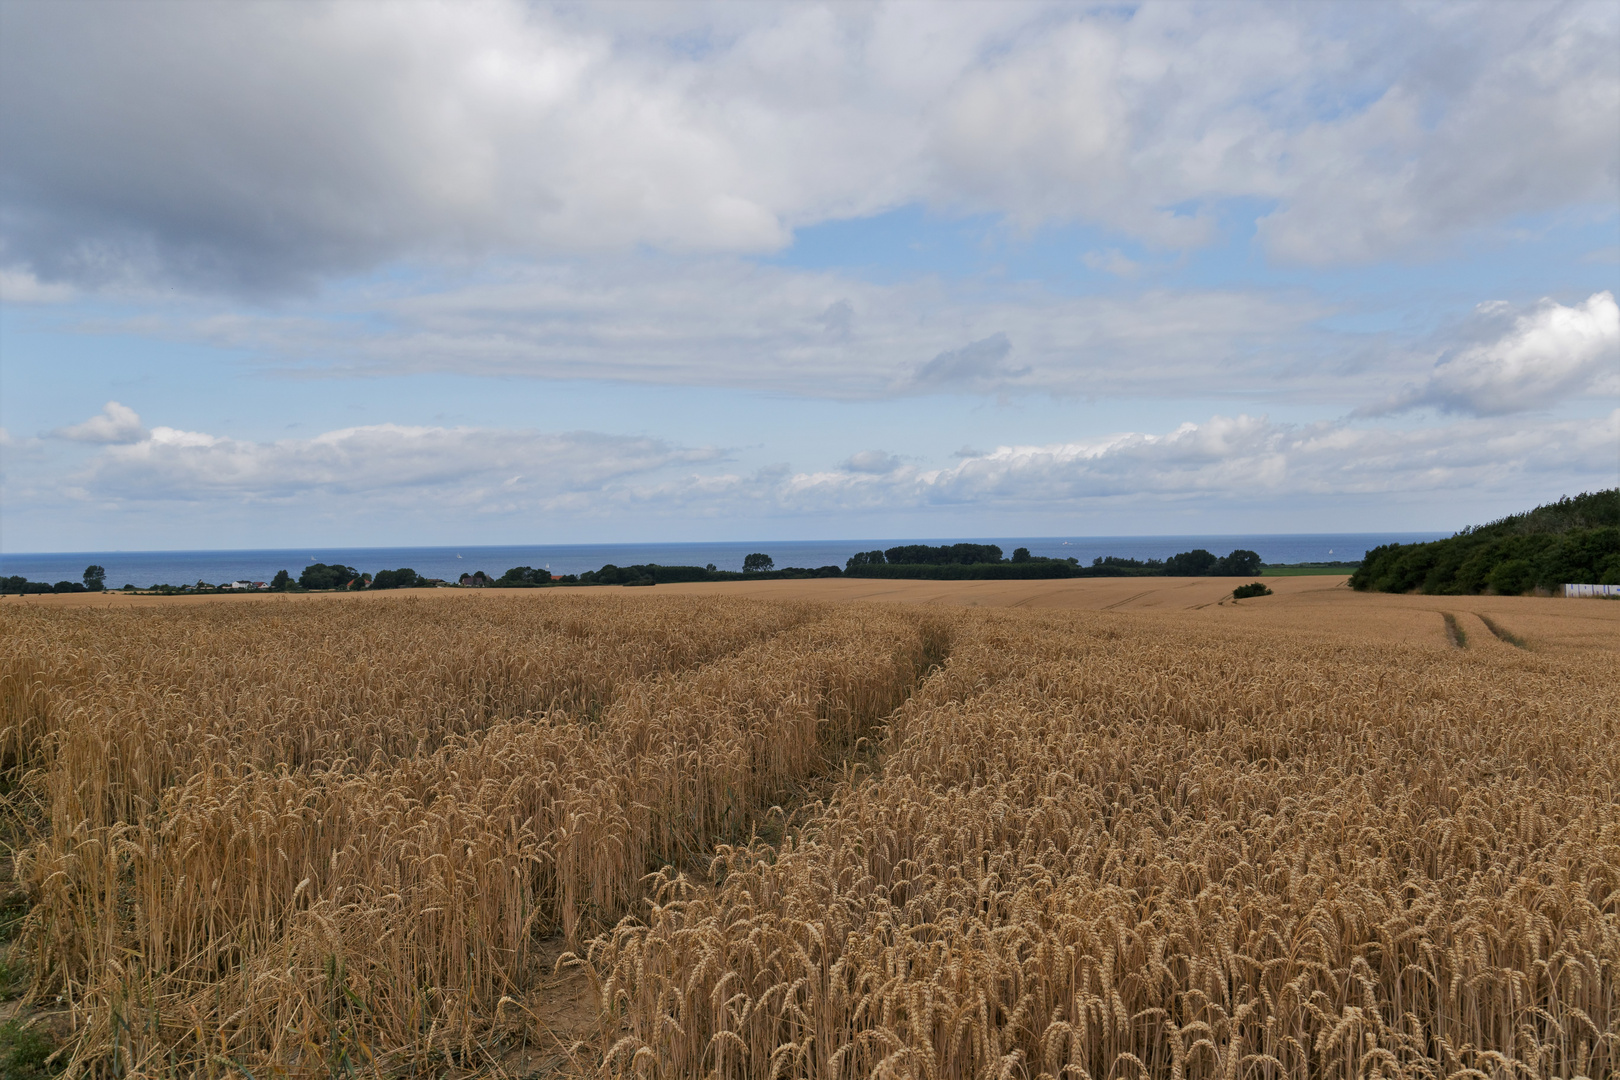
[1571, 541]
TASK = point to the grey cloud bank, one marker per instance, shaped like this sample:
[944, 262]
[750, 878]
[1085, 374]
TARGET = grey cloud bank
[266, 147]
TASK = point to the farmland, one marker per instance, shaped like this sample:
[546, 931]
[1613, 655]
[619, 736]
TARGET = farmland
[1090, 828]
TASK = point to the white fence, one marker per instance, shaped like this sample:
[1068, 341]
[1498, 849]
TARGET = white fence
[1592, 590]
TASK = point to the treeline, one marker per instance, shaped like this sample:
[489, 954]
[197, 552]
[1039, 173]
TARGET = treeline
[326, 576]
[655, 574]
[333, 576]
[957, 562]
[94, 580]
[17, 584]
[1571, 541]
[945, 562]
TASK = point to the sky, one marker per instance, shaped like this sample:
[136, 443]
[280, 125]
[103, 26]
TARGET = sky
[392, 274]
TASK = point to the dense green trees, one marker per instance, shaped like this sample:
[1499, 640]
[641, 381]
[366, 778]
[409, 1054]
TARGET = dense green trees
[17, 583]
[1240, 563]
[322, 576]
[1574, 540]
[1194, 563]
[758, 562]
[95, 578]
[654, 574]
[969, 561]
[403, 578]
[943, 555]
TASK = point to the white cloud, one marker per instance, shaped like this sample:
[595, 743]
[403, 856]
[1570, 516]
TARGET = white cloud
[1513, 112]
[114, 424]
[20, 286]
[256, 147]
[1545, 356]
[1112, 261]
[12, 445]
[876, 462]
[1242, 459]
[386, 470]
[463, 467]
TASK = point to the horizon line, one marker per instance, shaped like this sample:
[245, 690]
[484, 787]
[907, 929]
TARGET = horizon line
[702, 543]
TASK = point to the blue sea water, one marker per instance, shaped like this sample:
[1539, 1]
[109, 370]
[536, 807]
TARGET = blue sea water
[143, 568]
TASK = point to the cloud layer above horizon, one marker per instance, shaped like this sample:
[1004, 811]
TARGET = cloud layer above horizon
[1296, 249]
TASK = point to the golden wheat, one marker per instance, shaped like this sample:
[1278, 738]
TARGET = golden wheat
[313, 838]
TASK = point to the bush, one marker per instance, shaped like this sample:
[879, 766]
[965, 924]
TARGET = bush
[1243, 592]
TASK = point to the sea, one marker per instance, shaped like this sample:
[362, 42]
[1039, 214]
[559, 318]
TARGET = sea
[146, 568]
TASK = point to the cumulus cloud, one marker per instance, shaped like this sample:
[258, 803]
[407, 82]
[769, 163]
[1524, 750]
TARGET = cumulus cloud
[8, 441]
[877, 462]
[578, 476]
[265, 147]
[1544, 356]
[1113, 262]
[1243, 458]
[20, 286]
[114, 424]
[453, 466]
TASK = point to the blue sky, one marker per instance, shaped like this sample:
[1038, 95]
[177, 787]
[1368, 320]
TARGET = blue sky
[276, 274]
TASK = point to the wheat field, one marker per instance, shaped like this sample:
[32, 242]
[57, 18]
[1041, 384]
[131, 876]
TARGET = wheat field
[782, 837]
